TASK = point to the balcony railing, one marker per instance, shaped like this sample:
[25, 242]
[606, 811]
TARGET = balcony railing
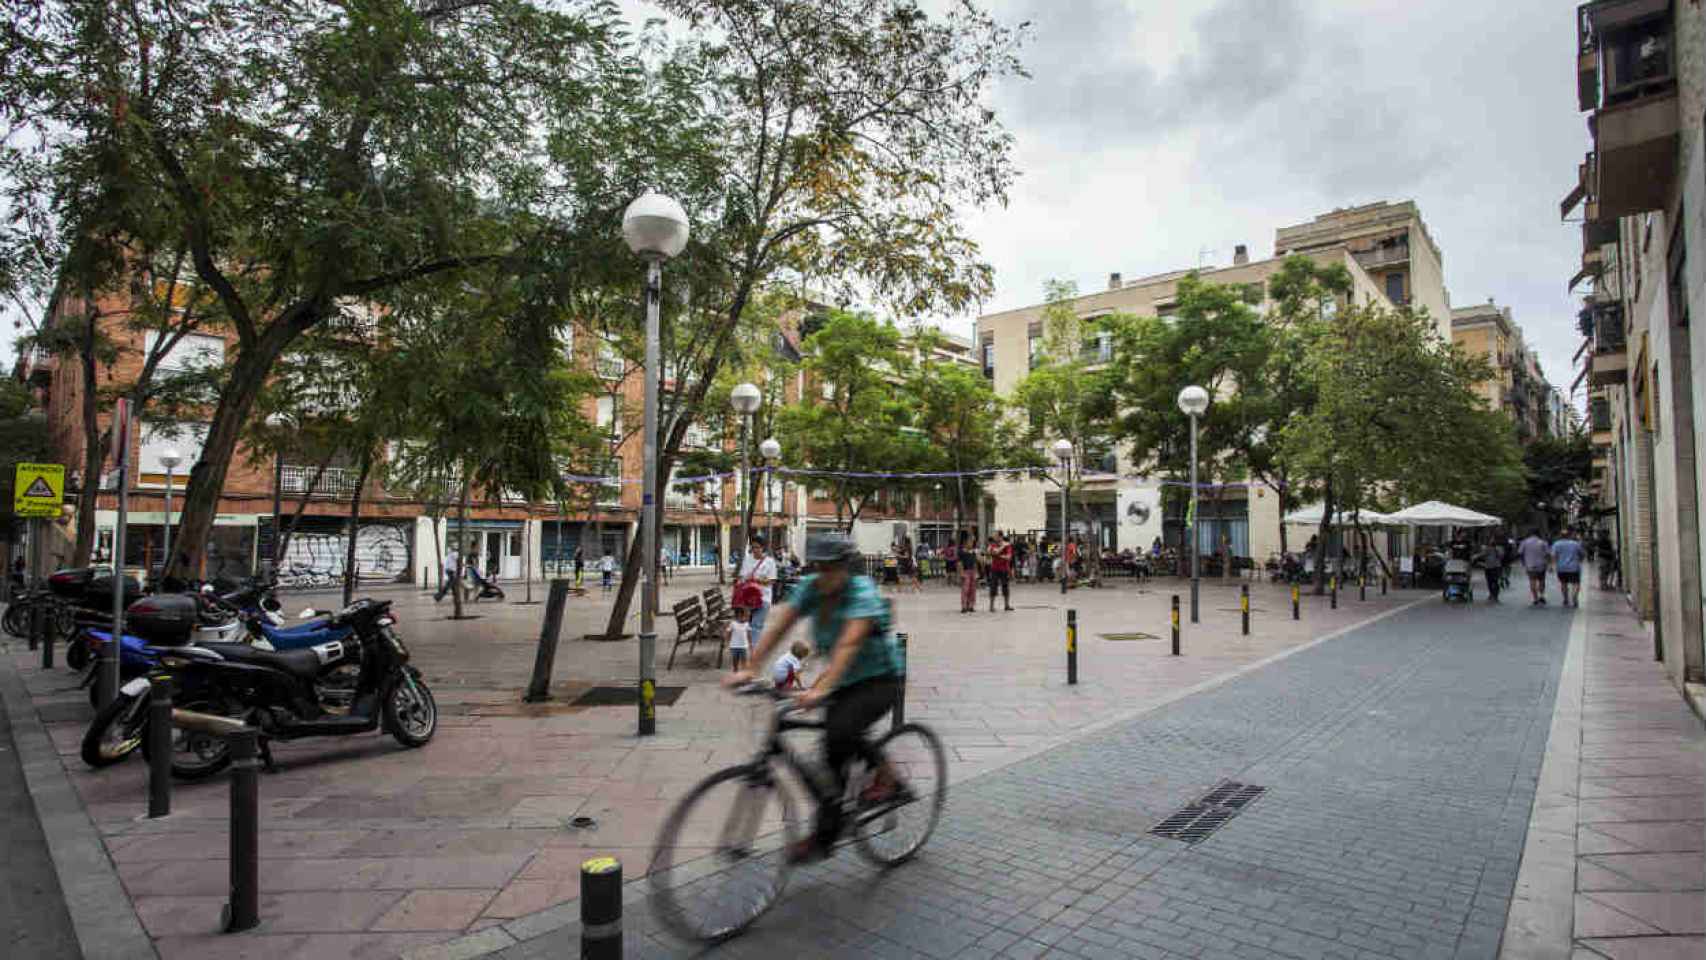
[1608, 336]
[1382, 256]
[333, 482]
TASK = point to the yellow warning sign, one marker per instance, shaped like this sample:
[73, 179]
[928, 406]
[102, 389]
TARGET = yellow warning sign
[38, 489]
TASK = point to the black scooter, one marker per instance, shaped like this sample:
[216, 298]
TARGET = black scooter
[287, 695]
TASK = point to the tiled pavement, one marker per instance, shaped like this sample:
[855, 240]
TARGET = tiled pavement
[369, 850]
[1400, 760]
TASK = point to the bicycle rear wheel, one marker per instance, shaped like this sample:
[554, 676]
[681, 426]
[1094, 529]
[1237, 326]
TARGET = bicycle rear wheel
[892, 832]
[719, 863]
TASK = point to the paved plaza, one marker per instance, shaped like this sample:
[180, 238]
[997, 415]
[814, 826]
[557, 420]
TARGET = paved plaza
[1399, 741]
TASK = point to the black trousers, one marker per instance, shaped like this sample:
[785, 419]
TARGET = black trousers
[999, 578]
[1495, 579]
[847, 714]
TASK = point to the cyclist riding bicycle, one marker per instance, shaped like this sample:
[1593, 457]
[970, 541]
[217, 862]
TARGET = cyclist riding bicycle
[860, 680]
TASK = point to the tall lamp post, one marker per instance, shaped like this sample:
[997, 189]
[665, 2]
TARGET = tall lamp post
[745, 400]
[1062, 451]
[170, 460]
[1193, 401]
[277, 421]
[655, 228]
[769, 451]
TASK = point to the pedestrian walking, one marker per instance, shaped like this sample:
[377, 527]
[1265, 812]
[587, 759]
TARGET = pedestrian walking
[452, 571]
[606, 571]
[1567, 553]
[1493, 567]
[580, 564]
[1536, 555]
[968, 574]
[1000, 570]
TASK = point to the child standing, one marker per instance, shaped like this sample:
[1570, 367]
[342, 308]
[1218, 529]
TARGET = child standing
[740, 638]
[786, 671]
[606, 571]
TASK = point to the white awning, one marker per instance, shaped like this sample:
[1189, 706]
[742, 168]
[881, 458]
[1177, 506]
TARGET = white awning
[1310, 516]
[1436, 513]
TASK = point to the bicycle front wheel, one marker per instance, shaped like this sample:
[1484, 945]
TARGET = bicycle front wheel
[719, 863]
[893, 831]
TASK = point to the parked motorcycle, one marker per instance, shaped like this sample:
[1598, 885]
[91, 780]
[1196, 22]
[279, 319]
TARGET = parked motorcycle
[357, 683]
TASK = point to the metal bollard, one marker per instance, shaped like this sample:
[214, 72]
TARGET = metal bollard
[1383, 584]
[1071, 647]
[1244, 603]
[37, 626]
[243, 910]
[1362, 588]
[601, 909]
[898, 716]
[1334, 592]
[46, 643]
[1175, 624]
[159, 745]
[648, 684]
[1296, 611]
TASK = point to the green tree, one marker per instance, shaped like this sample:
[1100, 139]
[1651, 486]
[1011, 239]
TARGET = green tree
[965, 422]
[1557, 470]
[24, 438]
[835, 141]
[853, 419]
[306, 152]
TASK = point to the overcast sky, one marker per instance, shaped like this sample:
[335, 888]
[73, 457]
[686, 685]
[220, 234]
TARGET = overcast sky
[1157, 134]
[1152, 131]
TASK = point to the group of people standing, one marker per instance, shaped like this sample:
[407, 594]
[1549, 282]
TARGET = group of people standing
[1563, 556]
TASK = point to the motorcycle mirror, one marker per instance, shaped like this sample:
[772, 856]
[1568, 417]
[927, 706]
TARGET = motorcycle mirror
[307, 613]
[207, 588]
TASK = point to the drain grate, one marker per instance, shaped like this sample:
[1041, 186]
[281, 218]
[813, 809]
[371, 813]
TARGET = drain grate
[626, 696]
[1194, 822]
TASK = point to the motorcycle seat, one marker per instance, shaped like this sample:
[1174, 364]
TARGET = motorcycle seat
[300, 631]
[303, 662]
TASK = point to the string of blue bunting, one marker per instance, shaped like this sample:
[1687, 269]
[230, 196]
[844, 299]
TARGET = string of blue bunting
[868, 475]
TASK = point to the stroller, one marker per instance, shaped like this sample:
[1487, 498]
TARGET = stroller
[489, 590]
[1458, 585]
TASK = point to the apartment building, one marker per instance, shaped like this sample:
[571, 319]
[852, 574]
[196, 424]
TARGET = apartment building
[1518, 385]
[1640, 193]
[1375, 243]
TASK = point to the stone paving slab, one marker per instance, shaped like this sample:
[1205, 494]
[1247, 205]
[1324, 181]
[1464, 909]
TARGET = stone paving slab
[369, 849]
[1400, 759]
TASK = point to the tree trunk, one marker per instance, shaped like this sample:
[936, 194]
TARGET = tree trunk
[1279, 489]
[94, 452]
[461, 551]
[207, 477]
[354, 526]
[1321, 541]
[438, 545]
[717, 552]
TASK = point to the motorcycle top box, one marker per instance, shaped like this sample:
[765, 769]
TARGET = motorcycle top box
[72, 582]
[165, 620]
[101, 589]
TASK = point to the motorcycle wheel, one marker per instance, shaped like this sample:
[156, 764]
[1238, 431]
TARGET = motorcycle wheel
[411, 714]
[17, 620]
[197, 756]
[77, 652]
[117, 731]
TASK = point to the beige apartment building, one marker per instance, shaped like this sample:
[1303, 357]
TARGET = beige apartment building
[1518, 386]
[1376, 243]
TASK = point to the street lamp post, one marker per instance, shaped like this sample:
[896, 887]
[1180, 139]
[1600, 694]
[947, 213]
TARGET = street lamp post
[745, 400]
[1062, 450]
[1193, 401]
[655, 228]
[769, 451]
[170, 460]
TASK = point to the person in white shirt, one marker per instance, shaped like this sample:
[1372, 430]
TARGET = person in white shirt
[452, 572]
[606, 571]
[740, 639]
[785, 674]
[760, 569]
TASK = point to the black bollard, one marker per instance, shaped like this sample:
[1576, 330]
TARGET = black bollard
[243, 910]
[898, 716]
[1296, 611]
[601, 909]
[159, 745]
[1244, 603]
[1175, 624]
[1333, 592]
[37, 626]
[1362, 588]
[1383, 584]
[46, 642]
[1071, 647]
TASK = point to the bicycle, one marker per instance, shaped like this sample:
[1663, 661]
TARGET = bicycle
[735, 844]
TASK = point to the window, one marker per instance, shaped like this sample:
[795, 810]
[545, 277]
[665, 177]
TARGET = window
[1395, 288]
[610, 363]
[159, 435]
[194, 351]
[609, 415]
[827, 388]
[610, 491]
[989, 358]
[569, 342]
[1034, 348]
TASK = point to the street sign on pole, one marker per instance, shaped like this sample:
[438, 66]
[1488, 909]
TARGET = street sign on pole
[38, 490]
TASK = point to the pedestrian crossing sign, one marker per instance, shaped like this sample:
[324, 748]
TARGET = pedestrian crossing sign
[38, 489]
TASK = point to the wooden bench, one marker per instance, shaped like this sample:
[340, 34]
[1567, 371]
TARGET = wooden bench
[692, 627]
[717, 610]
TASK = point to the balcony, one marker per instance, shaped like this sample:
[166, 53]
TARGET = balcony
[332, 482]
[1626, 75]
[1383, 256]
